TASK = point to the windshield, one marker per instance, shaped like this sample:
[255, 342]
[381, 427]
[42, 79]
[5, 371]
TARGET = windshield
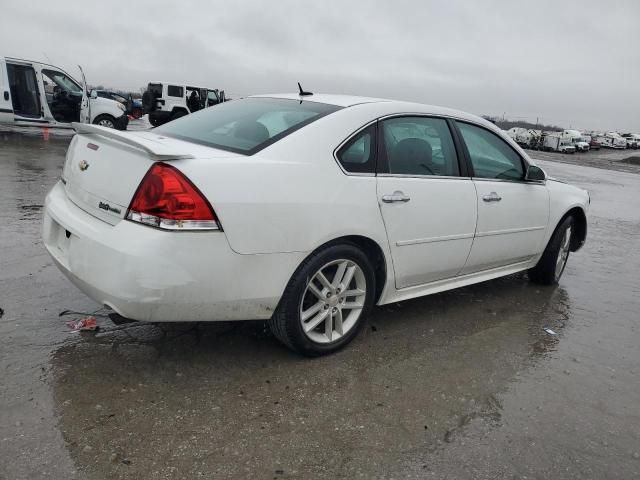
[63, 81]
[246, 125]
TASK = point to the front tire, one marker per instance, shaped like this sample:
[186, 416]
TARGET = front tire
[105, 121]
[326, 301]
[551, 265]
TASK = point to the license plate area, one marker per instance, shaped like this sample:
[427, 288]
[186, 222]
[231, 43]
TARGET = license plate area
[59, 240]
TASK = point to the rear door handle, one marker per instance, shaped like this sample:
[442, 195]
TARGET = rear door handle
[397, 196]
[492, 197]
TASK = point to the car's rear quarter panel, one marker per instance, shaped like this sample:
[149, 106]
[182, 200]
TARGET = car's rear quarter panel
[292, 196]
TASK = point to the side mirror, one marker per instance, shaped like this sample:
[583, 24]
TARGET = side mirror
[535, 174]
[93, 94]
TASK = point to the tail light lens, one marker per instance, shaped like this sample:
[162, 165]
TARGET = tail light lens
[167, 199]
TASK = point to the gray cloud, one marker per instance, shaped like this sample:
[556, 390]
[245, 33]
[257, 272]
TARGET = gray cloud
[573, 63]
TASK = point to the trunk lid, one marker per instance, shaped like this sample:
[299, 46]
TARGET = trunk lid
[104, 167]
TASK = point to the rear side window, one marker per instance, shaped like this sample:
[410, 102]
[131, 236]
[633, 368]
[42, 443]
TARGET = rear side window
[174, 91]
[419, 146]
[490, 155]
[358, 155]
[246, 125]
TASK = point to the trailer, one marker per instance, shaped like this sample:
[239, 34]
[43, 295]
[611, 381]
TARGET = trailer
[525, 137]
[611, 140]
[632, 139]
[555, 142]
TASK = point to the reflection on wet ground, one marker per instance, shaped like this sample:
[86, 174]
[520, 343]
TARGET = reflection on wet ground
[463, 384]
[227, 399]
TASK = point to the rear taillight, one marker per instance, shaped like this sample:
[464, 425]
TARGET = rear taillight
[167, 199]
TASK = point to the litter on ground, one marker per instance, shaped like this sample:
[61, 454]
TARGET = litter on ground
[86, 324]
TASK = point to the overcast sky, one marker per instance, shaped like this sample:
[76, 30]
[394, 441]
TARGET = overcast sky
[573, 63]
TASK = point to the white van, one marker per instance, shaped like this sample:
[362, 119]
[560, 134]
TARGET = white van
[41, 95]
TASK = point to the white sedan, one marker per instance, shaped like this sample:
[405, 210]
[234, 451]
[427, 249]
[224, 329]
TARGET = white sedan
[304, 211]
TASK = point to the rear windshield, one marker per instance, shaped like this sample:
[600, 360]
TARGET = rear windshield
[247, 125]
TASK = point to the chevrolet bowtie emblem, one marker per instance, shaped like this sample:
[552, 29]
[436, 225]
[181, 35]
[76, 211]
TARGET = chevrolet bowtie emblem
[83, 165]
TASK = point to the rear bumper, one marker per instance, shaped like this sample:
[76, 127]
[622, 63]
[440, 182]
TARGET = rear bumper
[151, 275]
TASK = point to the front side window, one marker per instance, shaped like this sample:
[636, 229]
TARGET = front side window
[419, 146]
[174, 91]
[491, 156]
[358, 154]
[247, 125]
[61, 81]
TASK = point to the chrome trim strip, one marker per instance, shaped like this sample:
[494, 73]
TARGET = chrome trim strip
[508, 231]
[524, 182]
[405, 175]
[444, 238]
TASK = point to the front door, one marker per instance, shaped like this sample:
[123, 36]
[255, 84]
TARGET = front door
[429, 209]
[512, 214]
[85, 102]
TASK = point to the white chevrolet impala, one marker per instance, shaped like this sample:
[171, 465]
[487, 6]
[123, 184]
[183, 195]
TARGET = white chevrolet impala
[303, 210]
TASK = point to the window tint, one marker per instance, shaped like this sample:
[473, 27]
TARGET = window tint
[491, 156]
[174, 91]
[358, 155]
[419, 146]
[247, 125]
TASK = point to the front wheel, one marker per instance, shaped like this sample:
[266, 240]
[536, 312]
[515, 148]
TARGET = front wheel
[326, 301]
[554, 259]
[105, 121]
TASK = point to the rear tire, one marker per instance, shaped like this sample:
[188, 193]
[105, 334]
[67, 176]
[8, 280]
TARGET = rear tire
[326, 301]
[551, 265]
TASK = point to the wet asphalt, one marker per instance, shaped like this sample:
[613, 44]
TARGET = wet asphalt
[460, 385]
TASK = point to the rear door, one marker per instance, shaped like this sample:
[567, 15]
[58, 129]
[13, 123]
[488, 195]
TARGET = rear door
[6, 109]
[427, 201]
[512, 214]
[25, 93]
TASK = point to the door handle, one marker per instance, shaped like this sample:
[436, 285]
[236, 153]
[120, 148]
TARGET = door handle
[397, 196]
[492, 197]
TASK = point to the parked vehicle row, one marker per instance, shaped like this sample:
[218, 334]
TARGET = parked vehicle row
[571, 141]
[37, 94]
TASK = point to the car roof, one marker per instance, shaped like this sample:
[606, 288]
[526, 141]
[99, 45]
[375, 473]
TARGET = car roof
[387, 105]
[330, 99]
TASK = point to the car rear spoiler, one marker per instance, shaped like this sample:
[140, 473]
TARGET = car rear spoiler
[155, 150]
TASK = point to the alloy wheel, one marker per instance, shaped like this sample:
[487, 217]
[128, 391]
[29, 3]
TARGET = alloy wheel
[563, 253]
[332, 301]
